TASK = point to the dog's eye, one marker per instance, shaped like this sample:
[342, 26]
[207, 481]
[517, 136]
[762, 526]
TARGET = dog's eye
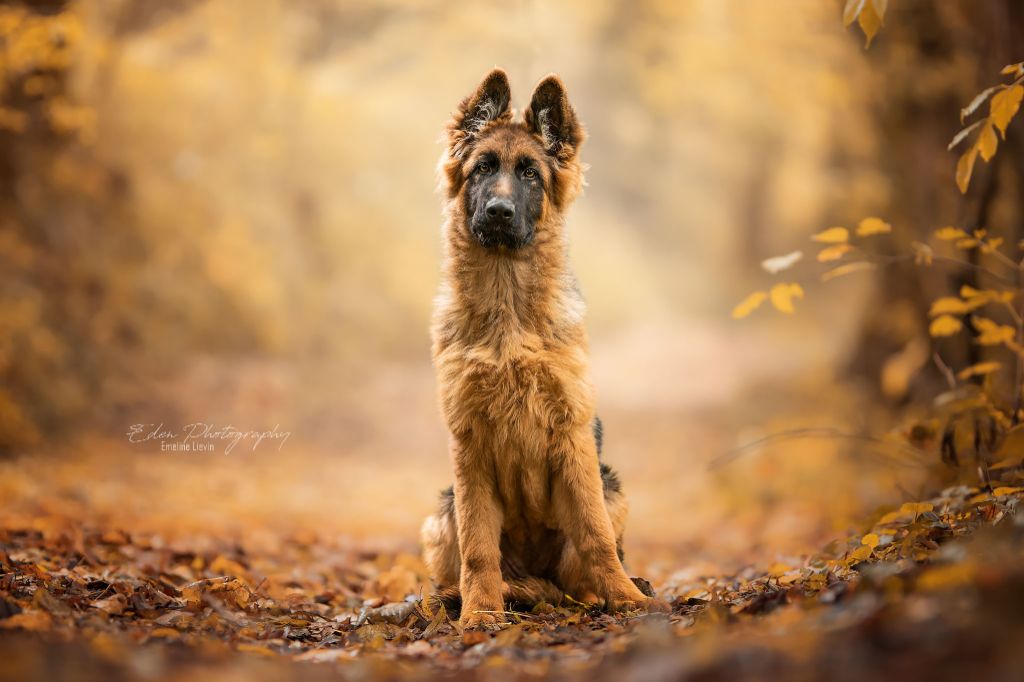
[483, 168]
[530, 173]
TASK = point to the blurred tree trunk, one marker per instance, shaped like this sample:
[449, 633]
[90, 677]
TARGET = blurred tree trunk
[931, 59]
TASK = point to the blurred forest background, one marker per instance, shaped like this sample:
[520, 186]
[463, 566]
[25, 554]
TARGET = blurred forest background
[219, 212]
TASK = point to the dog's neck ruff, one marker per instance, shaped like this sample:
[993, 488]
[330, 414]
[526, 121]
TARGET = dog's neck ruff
[506, 299]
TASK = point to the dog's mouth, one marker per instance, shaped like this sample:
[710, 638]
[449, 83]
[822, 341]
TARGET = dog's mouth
[510, 237]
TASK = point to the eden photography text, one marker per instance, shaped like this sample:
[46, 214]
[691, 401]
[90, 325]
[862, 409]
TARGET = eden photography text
[204, 437]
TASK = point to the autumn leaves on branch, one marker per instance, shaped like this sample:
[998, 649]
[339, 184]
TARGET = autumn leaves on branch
[1003, 106]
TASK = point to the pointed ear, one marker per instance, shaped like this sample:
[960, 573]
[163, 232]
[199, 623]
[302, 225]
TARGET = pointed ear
[489, 102]
[552, 118]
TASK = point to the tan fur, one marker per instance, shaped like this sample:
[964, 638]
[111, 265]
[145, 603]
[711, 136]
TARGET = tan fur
[510, 352]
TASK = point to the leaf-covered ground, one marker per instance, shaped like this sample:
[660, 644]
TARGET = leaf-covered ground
[933, 589]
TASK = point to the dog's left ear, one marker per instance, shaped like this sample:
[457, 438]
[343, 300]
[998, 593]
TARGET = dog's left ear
[552, 118]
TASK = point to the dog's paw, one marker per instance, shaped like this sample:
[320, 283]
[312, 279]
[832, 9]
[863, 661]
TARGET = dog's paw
[649, 604]
[655, 605]
[627, 596]
[481, 619]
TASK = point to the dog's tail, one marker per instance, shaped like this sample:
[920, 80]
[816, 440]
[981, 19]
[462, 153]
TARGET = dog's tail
[520, 593]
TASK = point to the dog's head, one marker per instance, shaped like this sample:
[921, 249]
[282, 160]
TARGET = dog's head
[509, 177]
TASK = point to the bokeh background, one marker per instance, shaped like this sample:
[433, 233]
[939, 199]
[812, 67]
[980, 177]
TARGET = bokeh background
[226, 212]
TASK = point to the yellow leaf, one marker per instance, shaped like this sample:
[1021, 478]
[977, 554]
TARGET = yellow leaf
[833, 235]
[1005, 490]
[988, 142]
[833, 252]
[991, 333]
[916, 507]
[890, 517]
[1012, 449]
[965, 244]
[1011, 68]
[847, 269]
[782, 296]
[950, 233]
[974, 299]
[942, 577]
[165, 633]
[870, 226]
[944, 325]
[964, 168]
[967, 291]
[1004, 106]
[991, 245]
[861, 553]
[870, 19]
[851, 10]
[980, 369]
[948, 305]
[256, 649]
[749, 305]
[870, 540]
[777, 264]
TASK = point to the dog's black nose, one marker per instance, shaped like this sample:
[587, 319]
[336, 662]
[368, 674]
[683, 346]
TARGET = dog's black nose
[500, 208]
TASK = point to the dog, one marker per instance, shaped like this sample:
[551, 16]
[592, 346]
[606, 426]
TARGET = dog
[533, 513]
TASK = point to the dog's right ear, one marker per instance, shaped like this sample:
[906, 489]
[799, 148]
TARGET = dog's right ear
[489, 102]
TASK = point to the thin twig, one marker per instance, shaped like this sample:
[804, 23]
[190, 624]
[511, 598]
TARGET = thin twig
[1002, 256]
[945, 369]
[1018, 388]
[823, 432]
[892, 260]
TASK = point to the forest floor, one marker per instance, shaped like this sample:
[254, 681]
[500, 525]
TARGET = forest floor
[92, 588]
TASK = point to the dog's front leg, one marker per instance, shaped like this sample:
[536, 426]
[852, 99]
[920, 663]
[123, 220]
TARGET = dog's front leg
[479, 518]
[583, 516]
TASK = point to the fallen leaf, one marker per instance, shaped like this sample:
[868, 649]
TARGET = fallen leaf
[32, 620]
[944, 577]
[113, 605]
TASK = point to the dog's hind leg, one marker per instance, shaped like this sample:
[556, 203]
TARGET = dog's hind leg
[441, 543]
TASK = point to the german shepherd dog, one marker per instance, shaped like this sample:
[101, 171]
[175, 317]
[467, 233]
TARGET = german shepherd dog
[533, 513]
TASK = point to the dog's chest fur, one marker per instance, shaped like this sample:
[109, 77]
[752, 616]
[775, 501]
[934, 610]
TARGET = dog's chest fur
[511, 360]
